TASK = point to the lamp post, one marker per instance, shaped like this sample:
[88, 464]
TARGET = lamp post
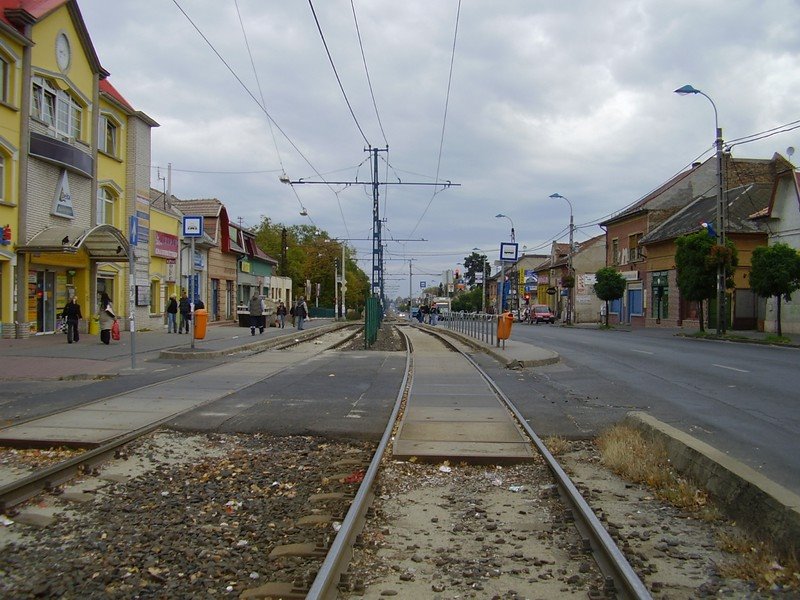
[721, 275]
[502, 216]
[569, 258]
[483, 281]
[512, 283]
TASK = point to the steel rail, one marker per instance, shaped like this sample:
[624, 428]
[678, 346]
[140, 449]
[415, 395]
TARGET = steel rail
[609, 557]
[17, 492]
[325, 584]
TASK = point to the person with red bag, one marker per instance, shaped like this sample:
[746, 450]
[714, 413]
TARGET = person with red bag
[107, 319]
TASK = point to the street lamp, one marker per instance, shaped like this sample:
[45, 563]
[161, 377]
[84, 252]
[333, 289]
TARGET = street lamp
[502, 216]
[569, 257]
[512, 284]
[721, 275]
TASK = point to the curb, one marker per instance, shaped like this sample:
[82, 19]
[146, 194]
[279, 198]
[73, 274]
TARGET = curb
[510, 363]
[766, 509]
[200, 353]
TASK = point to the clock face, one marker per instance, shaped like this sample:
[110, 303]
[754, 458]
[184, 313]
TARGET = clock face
[62, 51]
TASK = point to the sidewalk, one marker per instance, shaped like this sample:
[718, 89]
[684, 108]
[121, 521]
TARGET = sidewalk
[732, 335]
[49, 356]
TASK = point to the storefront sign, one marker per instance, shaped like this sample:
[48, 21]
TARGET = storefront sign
[165, 245]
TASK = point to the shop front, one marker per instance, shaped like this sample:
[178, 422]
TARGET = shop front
[62, 262]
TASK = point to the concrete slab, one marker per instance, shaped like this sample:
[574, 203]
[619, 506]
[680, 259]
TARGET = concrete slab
[62, 435]
[460, 413]
[474, 452]
[454, 401]
[99, 419]
[460, 431]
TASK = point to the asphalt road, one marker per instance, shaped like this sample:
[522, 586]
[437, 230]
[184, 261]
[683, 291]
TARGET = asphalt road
[743, 399]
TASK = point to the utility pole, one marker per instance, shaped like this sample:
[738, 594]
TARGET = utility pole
[377, 246]
[284, 248]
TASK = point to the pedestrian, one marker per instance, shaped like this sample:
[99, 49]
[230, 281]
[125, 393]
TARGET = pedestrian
[72, 314]
[434, 314]
[256, 314]
[281, 312]
[186, 313]
[198, 304]
[107, 318]
[426, 311]
[301, 312]
[172, 314]
[291, 313]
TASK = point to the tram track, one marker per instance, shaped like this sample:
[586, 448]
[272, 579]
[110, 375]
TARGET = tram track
[309, 550]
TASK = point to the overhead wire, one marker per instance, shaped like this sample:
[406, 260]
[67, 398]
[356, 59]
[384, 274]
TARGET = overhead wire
[262, 107]
[258, 83]
[444, 119]
[366, 70]
[336, 73]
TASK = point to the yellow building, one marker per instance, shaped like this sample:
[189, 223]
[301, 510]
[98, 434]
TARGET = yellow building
[69, 180]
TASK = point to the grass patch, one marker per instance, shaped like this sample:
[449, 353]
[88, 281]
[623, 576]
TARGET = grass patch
[625, 451]
[756, 562]
[777, 339]
[629, 454]
[556, 444]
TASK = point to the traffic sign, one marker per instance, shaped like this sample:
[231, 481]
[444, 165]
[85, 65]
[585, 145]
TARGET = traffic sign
[133, 230]
[192, 226]
[422, 285]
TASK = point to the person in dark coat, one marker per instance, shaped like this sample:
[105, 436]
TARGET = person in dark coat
[72, 314]
[172, 314]
[256, 314]
[186, 313]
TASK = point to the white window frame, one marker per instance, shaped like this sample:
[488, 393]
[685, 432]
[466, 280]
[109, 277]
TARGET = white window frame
[108, 123]
[2, 177]
[106, 205]
[57, 108]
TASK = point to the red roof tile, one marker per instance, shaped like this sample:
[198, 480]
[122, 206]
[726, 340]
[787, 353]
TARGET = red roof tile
[107, 88]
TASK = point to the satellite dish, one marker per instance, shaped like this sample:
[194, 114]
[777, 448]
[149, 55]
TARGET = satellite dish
[790, 151]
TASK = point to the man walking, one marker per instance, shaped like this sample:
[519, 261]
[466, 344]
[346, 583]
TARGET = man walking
[186, 313]
[256, 314]
[301, 312]
[72, 313]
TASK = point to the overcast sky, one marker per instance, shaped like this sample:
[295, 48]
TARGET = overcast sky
[571, 97]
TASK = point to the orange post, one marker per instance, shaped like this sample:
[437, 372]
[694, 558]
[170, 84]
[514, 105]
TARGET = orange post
[200, 322]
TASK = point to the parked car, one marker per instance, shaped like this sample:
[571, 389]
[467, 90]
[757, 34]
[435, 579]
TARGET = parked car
[540, 313]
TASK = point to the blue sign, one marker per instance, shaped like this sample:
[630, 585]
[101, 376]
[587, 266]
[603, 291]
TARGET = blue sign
[509, 251]
[192, 226]
[422, 285]
[133, 230]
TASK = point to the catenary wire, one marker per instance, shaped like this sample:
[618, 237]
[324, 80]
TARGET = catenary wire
[263, 108]
[444, 119]
[366, 70]
[336, 73]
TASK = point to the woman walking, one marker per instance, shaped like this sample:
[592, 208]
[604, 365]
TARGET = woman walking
[107, 318]
[281, 312]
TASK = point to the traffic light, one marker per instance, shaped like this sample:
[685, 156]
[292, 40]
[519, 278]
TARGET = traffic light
[458, 274]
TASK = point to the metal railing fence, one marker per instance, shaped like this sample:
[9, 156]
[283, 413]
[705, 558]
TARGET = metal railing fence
[481, 326]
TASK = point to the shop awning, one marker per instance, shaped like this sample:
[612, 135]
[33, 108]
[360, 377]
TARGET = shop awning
[102, 243]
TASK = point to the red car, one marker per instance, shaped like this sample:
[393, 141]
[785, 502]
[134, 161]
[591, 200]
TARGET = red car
[540, 313]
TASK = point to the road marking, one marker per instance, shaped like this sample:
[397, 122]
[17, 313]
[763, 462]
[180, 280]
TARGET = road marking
[642, 351]
[730, 368]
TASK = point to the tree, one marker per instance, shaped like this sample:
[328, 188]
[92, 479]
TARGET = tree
[697, 258]
[608, 285]
[311, 255]
[468, 301]
[775, 271]
[473, 264]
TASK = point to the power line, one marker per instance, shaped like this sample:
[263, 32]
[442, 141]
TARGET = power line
[258, 83]
[369, 81]
[444, 118]
[263, 108]
[336, 73]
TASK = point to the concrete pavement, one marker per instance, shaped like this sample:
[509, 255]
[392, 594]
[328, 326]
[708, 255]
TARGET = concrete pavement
[50, 357]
